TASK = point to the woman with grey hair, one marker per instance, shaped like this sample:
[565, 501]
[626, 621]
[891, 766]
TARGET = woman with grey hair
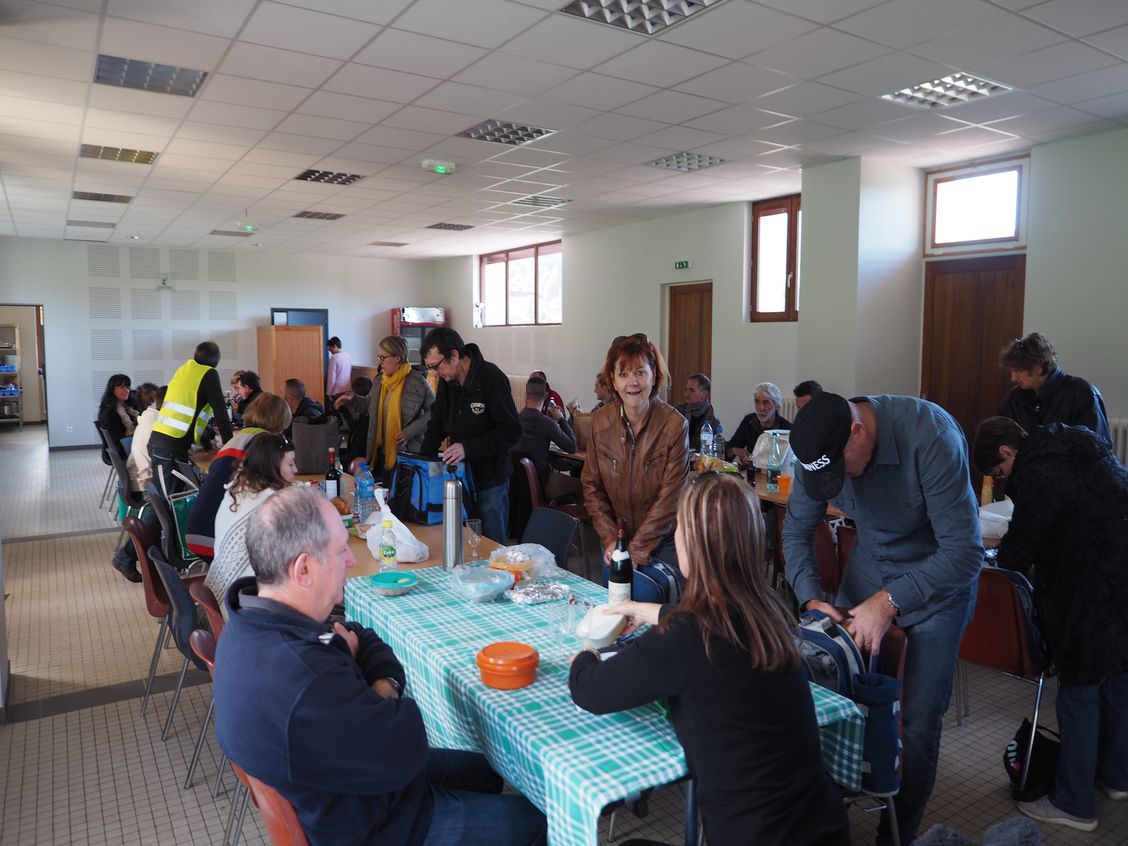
[768, 399]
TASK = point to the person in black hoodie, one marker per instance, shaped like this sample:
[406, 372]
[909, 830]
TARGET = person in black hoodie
[317, 710]
[726, 662]
[1070, 526]
[474, 409]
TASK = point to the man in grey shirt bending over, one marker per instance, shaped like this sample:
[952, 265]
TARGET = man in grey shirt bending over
[898, 467]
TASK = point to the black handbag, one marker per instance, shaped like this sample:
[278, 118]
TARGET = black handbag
[1043, 762]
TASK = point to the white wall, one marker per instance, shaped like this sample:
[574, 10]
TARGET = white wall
[358, 293]
[1077, 259]
[30, 383]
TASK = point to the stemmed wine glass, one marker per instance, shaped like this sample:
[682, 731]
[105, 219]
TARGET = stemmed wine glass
[473, 536]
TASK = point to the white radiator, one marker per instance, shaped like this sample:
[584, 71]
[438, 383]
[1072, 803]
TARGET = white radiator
[1119, 427]
[788, 409]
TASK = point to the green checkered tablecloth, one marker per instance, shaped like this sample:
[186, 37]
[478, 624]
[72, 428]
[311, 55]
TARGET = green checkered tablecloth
[568, 762]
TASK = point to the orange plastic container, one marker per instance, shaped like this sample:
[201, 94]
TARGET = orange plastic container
[508, 665]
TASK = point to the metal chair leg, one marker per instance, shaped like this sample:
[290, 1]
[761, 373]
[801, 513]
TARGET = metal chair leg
[235, 799]
[611, 826]
[1033, 731]
[243, 812]
[199, 744]
[894, 829]
[106, 489]
[162, 633]
[692, 829]
[219, 777]
[175, 701]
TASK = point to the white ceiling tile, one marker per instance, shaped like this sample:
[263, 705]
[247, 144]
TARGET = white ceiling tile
[31, 57]
[527, 156]
[678, 138]
[454, 96]
[1011, 104]
[286, 66]
[819, 52]
[215, 17]
[1114, 106]
[413, 53]
[1085, 86]
[219, 133]
[632, 154]
[48, 24]
[599, 92]
[432, 120]
[903, 23]
[1048, 64]
[797, 132]
[737, 82]
[347, 107]
[380, 83]
[1077, 129]
[885, 74]
[1080, 17]
[321, 127]
[999, 38]
[251, 92]
[806, 98]
[373, 11]
[200, 164]
[243, 116]
[518, 75]
[567, 40]
[226, 152]
[276, 25]
[389, 136]
[150, 43]
[965, 139]
[619, 127]
[484, 23]
[299, 144]
[661, 64]
[571, 142]
[40, 129]
[32, 86]
[736, 120]
[672, 107]
[1114, 41]
[736, 29]
[21, 107]
[547, 114]
[20, 143]
[922, 125]
[583, 168]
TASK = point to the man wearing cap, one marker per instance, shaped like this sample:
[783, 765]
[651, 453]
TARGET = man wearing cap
[898, 466]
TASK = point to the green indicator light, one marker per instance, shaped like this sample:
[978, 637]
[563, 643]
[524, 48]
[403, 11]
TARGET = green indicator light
[249, 228]
[440, 169]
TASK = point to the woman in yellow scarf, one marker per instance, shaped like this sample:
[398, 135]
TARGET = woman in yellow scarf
[398, 408]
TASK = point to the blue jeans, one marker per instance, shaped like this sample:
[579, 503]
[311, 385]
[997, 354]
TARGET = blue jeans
[493, 509]
[468, 810]
[930, 663]
[1093, 721]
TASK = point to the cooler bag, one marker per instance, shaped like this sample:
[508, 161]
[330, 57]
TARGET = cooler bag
[417, 488]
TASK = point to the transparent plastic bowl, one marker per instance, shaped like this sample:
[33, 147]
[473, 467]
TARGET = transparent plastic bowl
[479, 584]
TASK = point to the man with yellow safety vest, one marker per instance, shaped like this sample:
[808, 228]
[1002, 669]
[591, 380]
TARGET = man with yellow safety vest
[194, 398]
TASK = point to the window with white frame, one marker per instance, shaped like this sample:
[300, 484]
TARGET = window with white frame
[522, 287]
[977, 208]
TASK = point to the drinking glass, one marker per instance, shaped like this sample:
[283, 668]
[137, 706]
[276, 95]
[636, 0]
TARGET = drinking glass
[473, 536]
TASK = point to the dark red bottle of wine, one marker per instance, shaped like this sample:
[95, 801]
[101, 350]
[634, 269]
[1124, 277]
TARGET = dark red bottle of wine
[332, 476]
[621, 573]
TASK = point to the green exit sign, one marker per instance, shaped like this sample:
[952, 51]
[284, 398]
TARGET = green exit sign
[683, 265]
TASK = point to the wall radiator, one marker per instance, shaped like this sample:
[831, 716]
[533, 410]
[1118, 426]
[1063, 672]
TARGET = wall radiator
[788, 409]
[1119, 427]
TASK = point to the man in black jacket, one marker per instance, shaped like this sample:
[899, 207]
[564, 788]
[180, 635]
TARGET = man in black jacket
[294, 392]
[473, 409]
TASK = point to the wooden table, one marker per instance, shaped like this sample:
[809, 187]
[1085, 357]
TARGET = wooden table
[367, 565]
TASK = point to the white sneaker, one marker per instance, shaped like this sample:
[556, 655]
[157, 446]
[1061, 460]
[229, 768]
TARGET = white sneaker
[1112, 792]
[1043, 810]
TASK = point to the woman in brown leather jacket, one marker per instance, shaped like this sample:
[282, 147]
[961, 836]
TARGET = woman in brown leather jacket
[638, 455]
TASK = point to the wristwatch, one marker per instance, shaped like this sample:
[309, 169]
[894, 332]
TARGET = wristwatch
[395, 684]
[893, 603]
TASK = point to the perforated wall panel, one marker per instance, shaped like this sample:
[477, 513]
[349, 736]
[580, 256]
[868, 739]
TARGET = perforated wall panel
[228, 340]
[184, 343]
[144, 263]
[105, 345]
[185, 305]
[222, 305]
[105, 303]
[148, 345]
[221, 267]
[184, 264]
[145, 303]
[103, 261]
[157, 377]
[98, 380]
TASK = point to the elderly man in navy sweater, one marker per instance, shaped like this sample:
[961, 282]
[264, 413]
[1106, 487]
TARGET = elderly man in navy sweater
[316, 710]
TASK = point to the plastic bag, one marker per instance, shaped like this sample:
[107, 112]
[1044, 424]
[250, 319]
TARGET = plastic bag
[764, 445]
[409, 549]
[530, 560]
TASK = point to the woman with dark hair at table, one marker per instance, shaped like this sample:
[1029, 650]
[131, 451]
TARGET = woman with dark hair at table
[116, 414]
[726, 662]
[637, 455]
[267, 468]
[1070, 525]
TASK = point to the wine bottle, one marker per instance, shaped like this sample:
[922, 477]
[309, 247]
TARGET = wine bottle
[332, 476]
[621, 573]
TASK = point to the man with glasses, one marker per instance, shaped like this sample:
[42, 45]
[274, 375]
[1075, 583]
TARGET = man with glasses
[474, 411]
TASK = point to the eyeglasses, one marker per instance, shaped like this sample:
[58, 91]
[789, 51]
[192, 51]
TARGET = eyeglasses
[435, 366]
[381, 356]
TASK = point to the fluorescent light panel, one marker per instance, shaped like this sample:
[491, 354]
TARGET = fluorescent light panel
[231, 233]
[329, 177]
[503, 132]
[947, 91]
[643, 16]
[686, 162]
[117, 154]
[91, 224]
[101, 198]
[451, 227]
[316, 215]
[148, 76]
[387, 243]
[540, 201]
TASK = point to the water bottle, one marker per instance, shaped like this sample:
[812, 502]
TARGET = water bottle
[775, 460]
[388, 547]
[705, 443]
[364, 494]
[719, 442]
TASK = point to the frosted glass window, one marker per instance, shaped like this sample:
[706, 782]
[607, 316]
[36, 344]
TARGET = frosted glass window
[771, 263]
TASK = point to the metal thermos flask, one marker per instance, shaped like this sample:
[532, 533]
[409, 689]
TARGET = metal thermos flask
[452, 524]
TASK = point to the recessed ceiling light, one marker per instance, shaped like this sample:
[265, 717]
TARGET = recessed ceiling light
[451, 227]
[329, 177]
[946, 91]
[316, 215]
[256, 244]
[134, 237]
[686, 162]
[503, 132]
[642, 16]
[148, 76]
[387, 243]
[101, 198]
[230, 233]
[117, 154]
[91, 224]
[539, 201]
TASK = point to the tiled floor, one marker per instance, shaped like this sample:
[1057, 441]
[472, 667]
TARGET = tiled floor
[93, 771]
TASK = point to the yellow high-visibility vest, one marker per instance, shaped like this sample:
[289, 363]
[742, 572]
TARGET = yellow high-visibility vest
[178, 412]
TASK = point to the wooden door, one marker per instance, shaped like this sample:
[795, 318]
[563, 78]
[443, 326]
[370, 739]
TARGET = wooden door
[291, 352]
[972, 307]
[690, 331]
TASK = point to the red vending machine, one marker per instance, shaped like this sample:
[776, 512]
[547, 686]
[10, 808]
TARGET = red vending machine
[413, 323]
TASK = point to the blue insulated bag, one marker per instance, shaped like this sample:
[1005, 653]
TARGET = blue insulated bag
[876, 694]
[658, 581]
[416, 493]
[831, 659]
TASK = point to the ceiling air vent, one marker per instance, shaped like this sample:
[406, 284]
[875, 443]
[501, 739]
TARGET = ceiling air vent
[946, 91]
[387, 243]
[646, 17]
[91, 224]
[101, 198]
[117, 154]
[503, 132]
[231, 233]
[148, 76]
[316, 215]
[540, 201]
[686, 162]
[329, 177]
[451, 227]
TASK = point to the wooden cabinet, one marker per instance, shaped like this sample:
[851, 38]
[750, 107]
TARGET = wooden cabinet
[292, 352]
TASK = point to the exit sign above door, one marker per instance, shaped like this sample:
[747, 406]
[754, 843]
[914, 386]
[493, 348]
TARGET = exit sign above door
[686, 264]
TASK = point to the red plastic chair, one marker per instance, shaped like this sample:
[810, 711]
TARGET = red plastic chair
[205, 599]
[537, 500]
[281, 821]
[998, 637]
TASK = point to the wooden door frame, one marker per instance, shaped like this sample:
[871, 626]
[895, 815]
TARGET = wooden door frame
[667, 289]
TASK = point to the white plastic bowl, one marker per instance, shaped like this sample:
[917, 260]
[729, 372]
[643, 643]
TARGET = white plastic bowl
[480, 584]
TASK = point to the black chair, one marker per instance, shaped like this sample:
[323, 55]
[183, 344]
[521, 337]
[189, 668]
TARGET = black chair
[109, 486]
[132, 499]
[170, 548]
[553, 530]
[182, 622]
